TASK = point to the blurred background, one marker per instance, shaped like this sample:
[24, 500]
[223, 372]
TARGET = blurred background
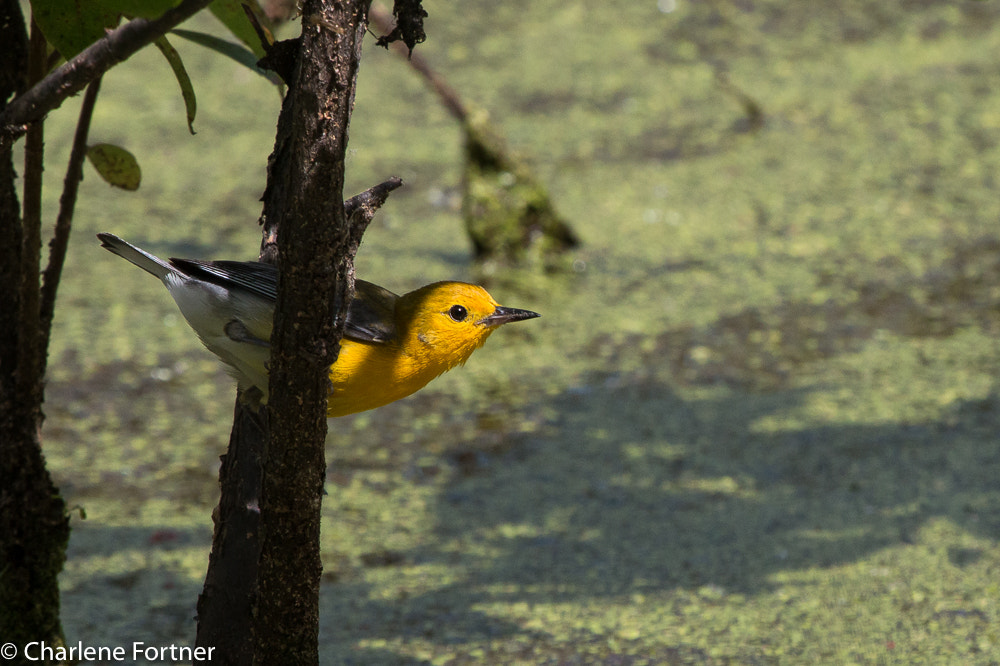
[757, 422]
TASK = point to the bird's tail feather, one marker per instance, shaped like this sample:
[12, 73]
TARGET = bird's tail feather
[141, 258]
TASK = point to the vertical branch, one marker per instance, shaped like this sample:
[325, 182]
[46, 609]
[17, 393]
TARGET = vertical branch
[13, 80]
[260, 603]
[64, 221]
[30, 363]
[225, 606]
[315, 256]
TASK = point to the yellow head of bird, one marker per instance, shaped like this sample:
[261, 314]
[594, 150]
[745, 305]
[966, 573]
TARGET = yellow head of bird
[452, 319]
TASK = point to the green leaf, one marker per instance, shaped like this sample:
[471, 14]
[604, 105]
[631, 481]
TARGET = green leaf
[231, 13]
[229, 49]
[73, 25]
[187, 90]
[117, 166]
[144, 8]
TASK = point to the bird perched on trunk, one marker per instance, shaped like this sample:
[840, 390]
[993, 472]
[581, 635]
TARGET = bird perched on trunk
[393, 345]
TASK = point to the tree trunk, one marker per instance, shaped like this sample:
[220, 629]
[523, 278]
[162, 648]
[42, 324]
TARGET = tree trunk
[316, 250]
[34, 528]
[261, 598]
[225, 606]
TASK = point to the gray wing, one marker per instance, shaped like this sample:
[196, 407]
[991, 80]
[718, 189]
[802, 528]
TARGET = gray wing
[370, 318]
[372, 315]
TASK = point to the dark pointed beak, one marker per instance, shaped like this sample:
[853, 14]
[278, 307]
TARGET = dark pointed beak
[504, 315]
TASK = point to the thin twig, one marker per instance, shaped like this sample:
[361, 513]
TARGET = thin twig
[368, 202]
[64, 221]
[383, 20]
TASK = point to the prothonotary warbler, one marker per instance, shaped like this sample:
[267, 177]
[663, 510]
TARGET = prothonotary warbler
[393, 345]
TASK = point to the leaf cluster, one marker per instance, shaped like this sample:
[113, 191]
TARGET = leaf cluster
[70, 27]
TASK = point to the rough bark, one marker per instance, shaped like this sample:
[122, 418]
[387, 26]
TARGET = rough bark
[34, 528]
[316, 248]
[260, 602]
[225, 606]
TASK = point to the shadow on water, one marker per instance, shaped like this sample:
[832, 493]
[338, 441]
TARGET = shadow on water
[637, 488]
[727, 507]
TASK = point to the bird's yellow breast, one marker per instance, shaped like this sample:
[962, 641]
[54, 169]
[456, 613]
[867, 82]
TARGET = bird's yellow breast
[369, 375]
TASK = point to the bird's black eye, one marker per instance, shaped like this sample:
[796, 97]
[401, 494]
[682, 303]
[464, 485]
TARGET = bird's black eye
[458, 313]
